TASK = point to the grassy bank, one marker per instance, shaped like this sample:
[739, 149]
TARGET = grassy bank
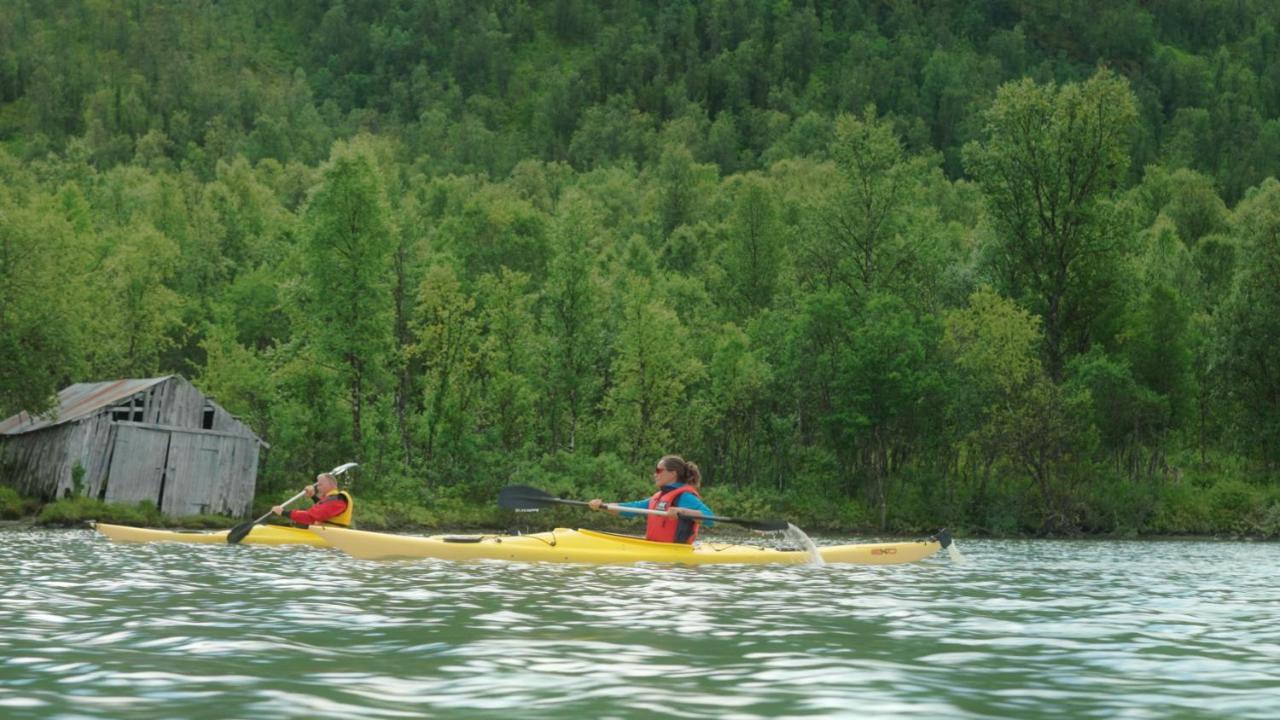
[1194, 507]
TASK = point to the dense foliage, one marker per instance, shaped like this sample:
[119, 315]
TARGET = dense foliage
[1008, 266]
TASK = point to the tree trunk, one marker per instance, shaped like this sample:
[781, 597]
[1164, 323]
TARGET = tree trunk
[357, 392]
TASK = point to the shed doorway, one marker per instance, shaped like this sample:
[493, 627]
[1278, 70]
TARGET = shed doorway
[182, 471]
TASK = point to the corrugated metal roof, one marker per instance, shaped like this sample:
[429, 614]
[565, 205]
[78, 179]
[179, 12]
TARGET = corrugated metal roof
[79, 401]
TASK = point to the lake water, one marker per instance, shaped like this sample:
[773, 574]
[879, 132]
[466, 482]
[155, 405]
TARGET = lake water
[1023, 629]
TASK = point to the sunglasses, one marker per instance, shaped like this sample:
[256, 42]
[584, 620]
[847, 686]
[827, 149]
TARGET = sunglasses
[659, 470]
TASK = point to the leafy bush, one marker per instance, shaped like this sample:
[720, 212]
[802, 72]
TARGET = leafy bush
[1119, 506]
[11, 504]
[579, 476]
[77, 510]
[1230, 504]
[1226, 506]
[1181, 509]
[1268, 520]
[1001, 507]
[747, 502]
[920, 504]
[77, 479]
[383, 515]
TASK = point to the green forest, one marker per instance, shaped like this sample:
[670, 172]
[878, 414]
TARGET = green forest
[1009, 266]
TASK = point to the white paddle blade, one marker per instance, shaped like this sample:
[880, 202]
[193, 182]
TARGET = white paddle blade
[343, 468]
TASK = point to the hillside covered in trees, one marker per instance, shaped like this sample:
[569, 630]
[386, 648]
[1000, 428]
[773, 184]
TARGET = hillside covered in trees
[1009, 266]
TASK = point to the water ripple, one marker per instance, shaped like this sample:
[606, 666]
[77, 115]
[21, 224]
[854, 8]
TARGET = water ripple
[1052, 629]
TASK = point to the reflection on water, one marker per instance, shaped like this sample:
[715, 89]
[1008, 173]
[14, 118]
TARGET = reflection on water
[1023, 629]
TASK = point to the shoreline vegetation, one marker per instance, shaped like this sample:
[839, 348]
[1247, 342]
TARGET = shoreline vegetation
[1239, 512]
[1006, 267]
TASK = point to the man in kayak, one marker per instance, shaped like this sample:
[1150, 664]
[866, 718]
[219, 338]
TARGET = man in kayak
[333, 508]
[678, 482]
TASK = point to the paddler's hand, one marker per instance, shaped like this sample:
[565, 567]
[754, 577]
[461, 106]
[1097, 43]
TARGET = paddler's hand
[310, 490]
[598, 504]
[278, 509]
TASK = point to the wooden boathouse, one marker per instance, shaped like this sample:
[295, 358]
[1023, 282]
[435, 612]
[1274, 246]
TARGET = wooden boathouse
[157, 439]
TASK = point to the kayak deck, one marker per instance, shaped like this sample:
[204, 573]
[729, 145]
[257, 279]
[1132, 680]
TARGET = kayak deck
[260, 535]
[563, 545]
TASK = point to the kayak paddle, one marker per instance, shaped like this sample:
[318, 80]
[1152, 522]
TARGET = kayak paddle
[242, 530]
[523, 497]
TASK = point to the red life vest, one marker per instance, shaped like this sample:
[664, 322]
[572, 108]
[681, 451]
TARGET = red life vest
[673, 530]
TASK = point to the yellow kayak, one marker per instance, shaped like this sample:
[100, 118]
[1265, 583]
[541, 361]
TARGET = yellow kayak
[588, 546]
[260, 535]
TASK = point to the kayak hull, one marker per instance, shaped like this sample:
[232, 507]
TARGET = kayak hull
[586, 546]
[260, 535]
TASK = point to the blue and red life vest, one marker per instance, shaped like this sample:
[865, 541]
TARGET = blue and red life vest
[678, 529]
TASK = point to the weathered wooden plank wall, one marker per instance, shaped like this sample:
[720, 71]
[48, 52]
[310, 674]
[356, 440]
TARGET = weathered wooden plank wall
[191, 471]
[92, 443]
[35, 465]
[237, 492]
[238, 463]
[137, 464]
[41, 463]
[204, 474]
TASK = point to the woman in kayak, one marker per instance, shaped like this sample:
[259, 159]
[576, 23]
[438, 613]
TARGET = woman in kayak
[333, 508]
[678, 482]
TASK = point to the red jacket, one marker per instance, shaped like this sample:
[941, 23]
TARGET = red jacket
[331, 506]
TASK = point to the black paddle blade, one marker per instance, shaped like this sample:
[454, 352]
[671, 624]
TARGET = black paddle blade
[523, 497]
[242, 530]
[239, 532]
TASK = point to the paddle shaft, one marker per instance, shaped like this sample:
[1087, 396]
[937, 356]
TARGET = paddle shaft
[523, 497]
[283, 504]
[647, 511]
[643, 511]
[239, 532]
